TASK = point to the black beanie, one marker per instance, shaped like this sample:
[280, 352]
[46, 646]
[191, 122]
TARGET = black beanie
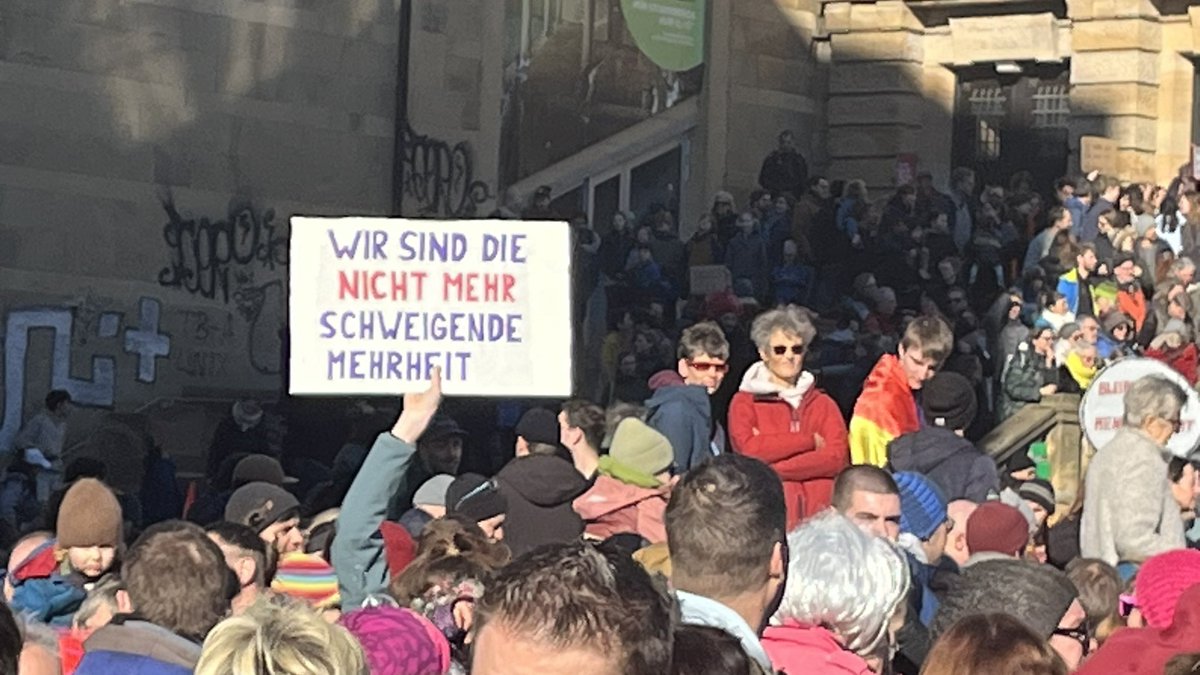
[475, 497]
[949, 401]
[1036, 595]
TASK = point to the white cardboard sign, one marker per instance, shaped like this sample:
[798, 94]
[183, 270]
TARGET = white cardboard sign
[1102, 408]
[376, 303]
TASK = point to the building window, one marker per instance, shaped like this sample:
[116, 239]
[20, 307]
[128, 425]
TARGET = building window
[987, 139]
[988, 106]
[988, 102]
[1051, 106]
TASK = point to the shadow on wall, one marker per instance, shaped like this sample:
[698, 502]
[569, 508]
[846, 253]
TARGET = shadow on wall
[159, 151]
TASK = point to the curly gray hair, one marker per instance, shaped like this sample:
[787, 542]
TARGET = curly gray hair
[845, 580]
[792, 320]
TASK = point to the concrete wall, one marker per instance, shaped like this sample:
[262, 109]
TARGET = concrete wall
[139, 140]
[763, 76]
[454, 90]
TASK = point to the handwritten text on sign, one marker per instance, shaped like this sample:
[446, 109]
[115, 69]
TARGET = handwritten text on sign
[377, 303]
[1102, 409]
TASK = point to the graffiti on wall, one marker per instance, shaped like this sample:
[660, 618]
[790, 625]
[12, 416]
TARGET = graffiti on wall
[143, 340]
[220, 260]
[207, 257]
[440, 177]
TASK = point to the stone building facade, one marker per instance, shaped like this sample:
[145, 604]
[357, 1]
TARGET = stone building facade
[872, 88]
[152, 151]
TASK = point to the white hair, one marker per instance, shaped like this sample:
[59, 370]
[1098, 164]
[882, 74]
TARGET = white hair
[1152, 396]
[844, 579]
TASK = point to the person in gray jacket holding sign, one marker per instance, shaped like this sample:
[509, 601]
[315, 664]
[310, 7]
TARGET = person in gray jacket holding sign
[357, 551]
[1128, 511]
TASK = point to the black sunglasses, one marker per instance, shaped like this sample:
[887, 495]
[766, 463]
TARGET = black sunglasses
[780, 350]
[1082, 635]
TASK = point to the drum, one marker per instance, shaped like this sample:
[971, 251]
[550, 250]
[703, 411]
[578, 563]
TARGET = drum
[1102, 408]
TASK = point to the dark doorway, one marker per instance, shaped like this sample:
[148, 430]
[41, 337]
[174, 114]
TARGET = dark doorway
[1012, 117]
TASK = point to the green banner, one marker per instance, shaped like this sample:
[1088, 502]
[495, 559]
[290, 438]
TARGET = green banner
[670, 32]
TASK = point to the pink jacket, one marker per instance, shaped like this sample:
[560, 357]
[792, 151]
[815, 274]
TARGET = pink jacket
[612, 507]
[795, 648]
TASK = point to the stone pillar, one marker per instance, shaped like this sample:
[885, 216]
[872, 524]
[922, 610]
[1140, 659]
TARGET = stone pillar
[875, 107]
[1114, 80]
[1177, 128]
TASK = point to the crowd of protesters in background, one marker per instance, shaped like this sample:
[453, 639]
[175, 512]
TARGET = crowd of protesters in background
[779, 474]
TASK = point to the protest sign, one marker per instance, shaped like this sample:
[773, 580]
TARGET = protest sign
[1097, 153]
[1102, 408]
[376, 303]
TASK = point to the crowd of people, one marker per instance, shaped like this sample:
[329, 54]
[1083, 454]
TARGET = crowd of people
[780, 476]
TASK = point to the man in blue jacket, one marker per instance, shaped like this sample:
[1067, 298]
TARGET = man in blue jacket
[179, 588]
[680, 408]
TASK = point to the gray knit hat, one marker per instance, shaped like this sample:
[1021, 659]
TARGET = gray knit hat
[1036, 595]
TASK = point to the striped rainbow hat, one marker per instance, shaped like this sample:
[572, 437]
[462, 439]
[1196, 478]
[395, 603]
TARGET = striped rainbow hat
[307, 577]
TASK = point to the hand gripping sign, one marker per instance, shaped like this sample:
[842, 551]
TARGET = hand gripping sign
[376, 303]
[1102, 409]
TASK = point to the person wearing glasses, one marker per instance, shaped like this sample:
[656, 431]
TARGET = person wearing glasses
[1031, 373]
[680, 408]
[1130, 513]
[1041, 597]
[781, 418]
[888, 406]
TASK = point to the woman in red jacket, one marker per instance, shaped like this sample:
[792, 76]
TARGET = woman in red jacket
[781, 418]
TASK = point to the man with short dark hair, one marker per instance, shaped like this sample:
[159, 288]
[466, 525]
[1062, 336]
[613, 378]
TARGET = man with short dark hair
[1058, 220]
[869, 497]
[726, 532]
[1076, 283]
[581, 427]
[180, 588]
[46, 431]
[962, 197]
[1109, 190]
[784, 170]
[439, 451]
[247, 555]
[569, 609]
[680, 408]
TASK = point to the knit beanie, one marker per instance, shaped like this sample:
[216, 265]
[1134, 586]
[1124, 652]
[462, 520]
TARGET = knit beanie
[475, 497]
[1160, 582]
[90, 515]
[1036, 595]
[1105, 289]
[997, 528]
[1040, 492]
[922, 504]
[1114, 319]
[433, 491]
[1019, 461]
[398, 641]
[260, 505]
[309, 578]
[949, 401]
[641, 448]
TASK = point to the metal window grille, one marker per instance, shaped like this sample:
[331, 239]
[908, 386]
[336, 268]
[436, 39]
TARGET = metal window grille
[988, 102]
[1051, 106]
